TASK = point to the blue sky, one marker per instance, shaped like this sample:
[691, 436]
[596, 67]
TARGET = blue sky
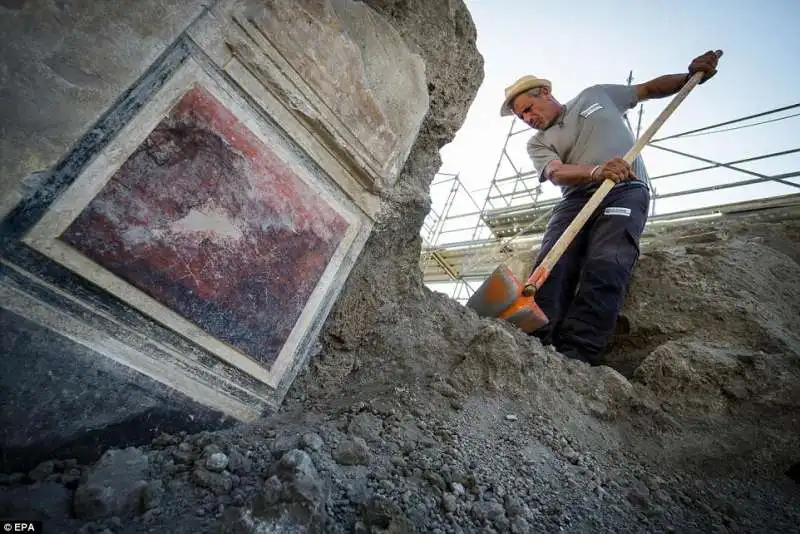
[577, 43]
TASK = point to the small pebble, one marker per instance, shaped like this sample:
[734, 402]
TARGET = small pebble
[217, 462]
[312, 441]
[449, 502]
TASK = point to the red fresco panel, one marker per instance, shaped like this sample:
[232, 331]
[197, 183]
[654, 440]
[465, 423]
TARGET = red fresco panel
[209, 221]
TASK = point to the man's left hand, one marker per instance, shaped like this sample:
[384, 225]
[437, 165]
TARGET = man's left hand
[706, 63]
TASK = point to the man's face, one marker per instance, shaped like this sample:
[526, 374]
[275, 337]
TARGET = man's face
[535, 111]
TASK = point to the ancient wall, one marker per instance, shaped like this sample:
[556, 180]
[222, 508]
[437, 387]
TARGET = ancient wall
[384, 294]
[186, 187]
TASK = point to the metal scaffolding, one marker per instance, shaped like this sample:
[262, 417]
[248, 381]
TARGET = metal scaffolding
[447, 191]
[464, 241]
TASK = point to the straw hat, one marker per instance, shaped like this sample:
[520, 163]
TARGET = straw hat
[518, 87]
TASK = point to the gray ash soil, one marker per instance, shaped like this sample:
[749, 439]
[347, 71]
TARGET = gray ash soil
[470, 426]
[418, 416]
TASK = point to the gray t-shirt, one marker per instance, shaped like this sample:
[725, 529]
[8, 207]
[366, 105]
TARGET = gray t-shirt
[590, 131]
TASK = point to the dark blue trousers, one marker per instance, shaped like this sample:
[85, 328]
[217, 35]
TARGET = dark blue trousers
[583, 295]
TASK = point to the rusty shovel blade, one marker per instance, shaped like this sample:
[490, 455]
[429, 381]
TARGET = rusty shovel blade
[500, 296]
[496, 294]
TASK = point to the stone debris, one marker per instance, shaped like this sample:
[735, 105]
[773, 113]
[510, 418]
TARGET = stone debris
[293, 497]
[352, 451]
[216, 462]
[239, 463]
[42, 471]
[114, 486]
[313, 441]
[284, 443]
[218, 483]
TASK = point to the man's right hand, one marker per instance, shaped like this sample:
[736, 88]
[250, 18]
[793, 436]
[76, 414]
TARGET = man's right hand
[616, 170]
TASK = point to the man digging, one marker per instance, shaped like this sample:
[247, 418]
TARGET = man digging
[577, 146]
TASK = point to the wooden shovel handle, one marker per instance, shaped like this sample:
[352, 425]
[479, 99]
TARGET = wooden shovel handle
[543, 269]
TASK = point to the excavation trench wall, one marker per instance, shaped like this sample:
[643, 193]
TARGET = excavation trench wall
[188, 188]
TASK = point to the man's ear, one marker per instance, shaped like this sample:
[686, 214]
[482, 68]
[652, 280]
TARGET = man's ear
[545, 90]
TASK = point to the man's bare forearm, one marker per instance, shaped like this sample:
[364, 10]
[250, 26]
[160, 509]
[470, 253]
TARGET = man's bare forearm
[568, 174]
[615, 169]
[662, 87]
